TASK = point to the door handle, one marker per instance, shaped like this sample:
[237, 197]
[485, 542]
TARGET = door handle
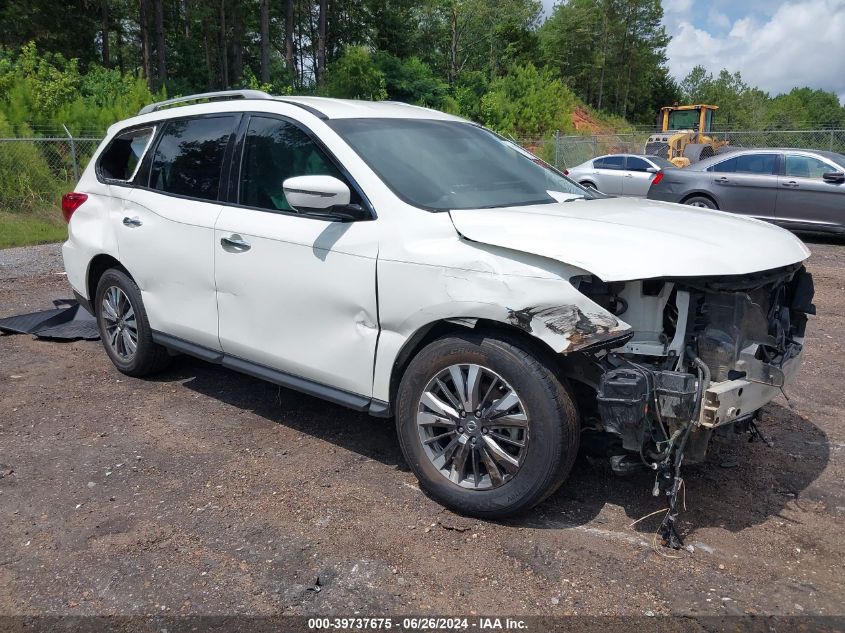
[791, 183]
[629, 175]
[722, 180]
[235, 244]
[136, 221]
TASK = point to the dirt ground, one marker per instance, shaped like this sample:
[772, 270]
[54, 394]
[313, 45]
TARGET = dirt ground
[203, 491]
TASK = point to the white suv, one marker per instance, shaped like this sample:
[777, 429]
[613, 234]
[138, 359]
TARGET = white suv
[409, 263]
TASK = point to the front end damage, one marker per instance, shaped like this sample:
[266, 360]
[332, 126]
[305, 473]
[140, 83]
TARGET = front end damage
[704, 353]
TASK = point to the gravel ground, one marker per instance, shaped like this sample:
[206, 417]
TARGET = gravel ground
[206, 492]
[31, 261]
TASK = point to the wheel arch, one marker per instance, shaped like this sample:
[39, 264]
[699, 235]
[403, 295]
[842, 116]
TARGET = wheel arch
[445, 327]
[96, 268]
[700, 194]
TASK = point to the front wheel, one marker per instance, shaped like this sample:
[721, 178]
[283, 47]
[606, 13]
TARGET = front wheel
[485, 425]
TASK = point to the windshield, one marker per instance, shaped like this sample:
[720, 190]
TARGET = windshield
[683, 119]
[837, 158]
[443, 165]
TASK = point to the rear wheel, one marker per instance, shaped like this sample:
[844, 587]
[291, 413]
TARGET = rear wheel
[124, 328]
[701, 202]
[485, 425]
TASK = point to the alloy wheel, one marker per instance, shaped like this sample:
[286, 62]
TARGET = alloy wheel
[119, 323]
[473, 426]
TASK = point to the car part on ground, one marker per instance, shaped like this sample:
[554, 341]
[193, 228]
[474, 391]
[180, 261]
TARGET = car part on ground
[68, 321]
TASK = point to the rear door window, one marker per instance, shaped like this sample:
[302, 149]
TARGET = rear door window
[610, 162]
[763, 164]
[189, 157]
[120, 160]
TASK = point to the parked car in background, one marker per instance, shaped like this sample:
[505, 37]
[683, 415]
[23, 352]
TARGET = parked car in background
[799, 189]
[620, 174]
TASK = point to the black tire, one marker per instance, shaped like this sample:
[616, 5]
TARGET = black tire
[148, 357]
[588, 185]
[553, 423]
[701, 201]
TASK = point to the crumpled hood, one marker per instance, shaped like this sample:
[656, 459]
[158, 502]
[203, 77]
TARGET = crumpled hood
[619, 239]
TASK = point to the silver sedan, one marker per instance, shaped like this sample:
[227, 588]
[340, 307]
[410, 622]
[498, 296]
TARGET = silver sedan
[620, 174]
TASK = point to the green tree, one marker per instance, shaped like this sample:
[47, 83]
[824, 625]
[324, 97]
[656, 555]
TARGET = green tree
[355, 76]
[528, 103]
[805, 107]
[410, 80]
[611, 52]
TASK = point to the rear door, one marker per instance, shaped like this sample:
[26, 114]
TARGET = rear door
[610, 170]
[747, 184]
[166, 229]
[637, 177]
[804, 198]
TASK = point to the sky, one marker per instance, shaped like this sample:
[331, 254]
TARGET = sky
[775, 44]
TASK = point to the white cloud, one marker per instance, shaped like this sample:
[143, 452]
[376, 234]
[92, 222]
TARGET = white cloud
[801, 44]
[677, 6]
[718, 19]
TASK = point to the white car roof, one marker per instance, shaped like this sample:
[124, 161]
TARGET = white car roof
[356, 109]
[321, 107]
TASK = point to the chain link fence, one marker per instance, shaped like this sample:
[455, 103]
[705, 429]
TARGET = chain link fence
[565, 151]
[35, 171]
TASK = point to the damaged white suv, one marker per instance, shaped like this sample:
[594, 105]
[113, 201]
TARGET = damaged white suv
[406, 262]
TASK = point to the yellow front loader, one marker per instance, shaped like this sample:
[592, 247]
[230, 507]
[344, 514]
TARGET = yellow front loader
[684, 134]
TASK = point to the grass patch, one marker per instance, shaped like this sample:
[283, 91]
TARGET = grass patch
[25, 230]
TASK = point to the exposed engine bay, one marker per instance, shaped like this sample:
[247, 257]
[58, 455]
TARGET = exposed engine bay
[704, 354]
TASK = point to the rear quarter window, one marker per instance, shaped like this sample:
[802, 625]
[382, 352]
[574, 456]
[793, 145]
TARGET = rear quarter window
[120, 160]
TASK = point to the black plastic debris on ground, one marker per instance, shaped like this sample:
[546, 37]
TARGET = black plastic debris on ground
[68, 321]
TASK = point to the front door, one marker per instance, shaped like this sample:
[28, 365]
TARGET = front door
[805, 198]
[166, 228]
[294, 293]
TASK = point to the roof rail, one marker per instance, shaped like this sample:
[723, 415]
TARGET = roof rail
[221, 95]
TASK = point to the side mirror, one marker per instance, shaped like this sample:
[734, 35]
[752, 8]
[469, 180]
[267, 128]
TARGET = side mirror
[652, 170]
[834, 177]
[323, 196]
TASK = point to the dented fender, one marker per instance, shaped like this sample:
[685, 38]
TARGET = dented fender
[580, 329]
[413, 296]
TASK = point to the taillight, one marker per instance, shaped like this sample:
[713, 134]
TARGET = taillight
[657, 178]
[71, 202]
